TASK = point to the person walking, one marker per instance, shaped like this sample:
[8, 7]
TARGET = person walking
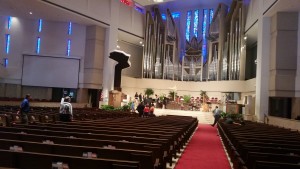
[24, 109]
[217, 115]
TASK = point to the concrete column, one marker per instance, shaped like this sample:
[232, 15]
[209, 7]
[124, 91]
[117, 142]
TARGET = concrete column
[110, 45]
[283, 61]
[93, 60]
[262, 78]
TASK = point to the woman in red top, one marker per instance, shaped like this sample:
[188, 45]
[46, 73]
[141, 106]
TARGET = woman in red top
[146, 110]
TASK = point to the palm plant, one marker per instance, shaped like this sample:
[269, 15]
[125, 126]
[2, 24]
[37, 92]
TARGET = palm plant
[149, 92]
[172, 94]
[187, 98]
[203, 95]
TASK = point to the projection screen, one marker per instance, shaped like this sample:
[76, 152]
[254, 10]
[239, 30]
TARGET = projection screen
[49, 71]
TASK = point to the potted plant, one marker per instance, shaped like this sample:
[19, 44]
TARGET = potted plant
[172, 94]
[149, 92]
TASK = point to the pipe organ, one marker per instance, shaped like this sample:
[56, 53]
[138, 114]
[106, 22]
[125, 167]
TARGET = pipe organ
[227, 44]
[226, 47]
[161, 58]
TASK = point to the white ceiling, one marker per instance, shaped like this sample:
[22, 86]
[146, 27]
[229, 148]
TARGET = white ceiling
[149, 2]
[40, 10]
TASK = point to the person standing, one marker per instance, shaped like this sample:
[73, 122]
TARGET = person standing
[140, 109]
[66, 110]
[24, 109]
[217, 115]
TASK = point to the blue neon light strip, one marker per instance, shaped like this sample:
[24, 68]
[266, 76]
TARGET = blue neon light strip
[38, 45]
[139, 9]
[211, 15]
[7, 40]
[174, 15]
[40, 25]
[5, 62]
[204, 30]
[70, 28]
[9, 23]
[188, 25]
[196, 22]
[69, 47]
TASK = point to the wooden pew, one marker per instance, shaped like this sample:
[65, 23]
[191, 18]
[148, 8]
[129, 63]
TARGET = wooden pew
[29, 160]
[146, 158]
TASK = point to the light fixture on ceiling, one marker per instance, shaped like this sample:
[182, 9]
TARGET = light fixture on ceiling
[141, 42]
[30, 13]
[158, 0]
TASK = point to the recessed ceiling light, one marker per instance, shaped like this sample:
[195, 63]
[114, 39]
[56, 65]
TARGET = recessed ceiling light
[141, 42]
[30, 13]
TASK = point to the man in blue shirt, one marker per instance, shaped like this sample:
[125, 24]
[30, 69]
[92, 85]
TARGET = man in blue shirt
[25, 108]
[217, 115]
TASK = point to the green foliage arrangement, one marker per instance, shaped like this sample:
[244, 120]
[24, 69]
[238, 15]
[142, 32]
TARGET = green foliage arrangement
[149, 92]
[172, 94]
[187, 98]
[107, 107]
[234, 117]
[126, 107]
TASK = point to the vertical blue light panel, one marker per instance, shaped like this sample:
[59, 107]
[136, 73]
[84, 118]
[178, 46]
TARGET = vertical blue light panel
[211, 15]
[70, 28]
[196, 22]
[204, 31]
[7, 41]
[188, 25]
[176, 15]
[69, 47]
[40, 25]
[38, 45]
[5, 62]
[9, 22]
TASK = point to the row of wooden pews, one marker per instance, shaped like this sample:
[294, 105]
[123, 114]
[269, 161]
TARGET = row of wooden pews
[122, 143]
[261, 146]
[8, 114]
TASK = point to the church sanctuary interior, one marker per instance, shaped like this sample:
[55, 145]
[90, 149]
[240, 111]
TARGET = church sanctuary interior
[149, 84]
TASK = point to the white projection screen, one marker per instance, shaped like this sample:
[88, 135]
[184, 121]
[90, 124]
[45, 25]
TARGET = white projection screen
[49, 71]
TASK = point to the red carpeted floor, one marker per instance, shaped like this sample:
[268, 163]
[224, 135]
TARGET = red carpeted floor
[205, 151]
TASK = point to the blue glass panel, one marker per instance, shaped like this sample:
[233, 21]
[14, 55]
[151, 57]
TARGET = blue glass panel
[9, 22]
[40, 25]
[188, 25]
[196, 22]
[204, 32]
[69, 47]
[7, 46]
[38, 45]
[211, 15]
[70, 28]
[176, 15]
[5, 62]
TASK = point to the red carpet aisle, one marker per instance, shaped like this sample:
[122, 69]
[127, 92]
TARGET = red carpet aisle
[205, 151]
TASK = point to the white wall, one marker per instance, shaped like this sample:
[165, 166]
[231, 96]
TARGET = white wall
[255, 9]
[130, 19]
[23, 41]
[213, 88]
[24, 33]
[136, 56]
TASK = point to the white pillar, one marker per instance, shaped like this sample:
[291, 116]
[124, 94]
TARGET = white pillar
[110, 45]
[262, 68]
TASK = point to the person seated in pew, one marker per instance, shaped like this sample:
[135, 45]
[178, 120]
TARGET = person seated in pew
[146, 110]
[66, 110]
[229, 120]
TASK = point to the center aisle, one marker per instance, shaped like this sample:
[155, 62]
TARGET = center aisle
[205, 151]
